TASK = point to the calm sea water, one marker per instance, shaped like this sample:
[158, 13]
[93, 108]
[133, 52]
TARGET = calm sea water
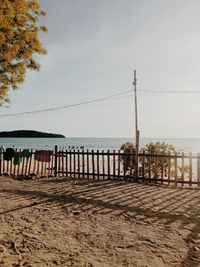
[187, 145]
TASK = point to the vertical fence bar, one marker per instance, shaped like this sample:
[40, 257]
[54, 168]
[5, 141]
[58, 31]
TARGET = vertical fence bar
[70, 162]
[14, 168]
[58, 157]
[143, 166]
[156, 167]
[190, 169]
[26, 167]
[98, 164]
[108, 158]
[66, 163]
[30, 161]
[124, 156]
[78, 164]
[55, 161]
[59, 162]
[18, 169]
[162, 169]
[88, 164]
[45, 168]
[52, 164]
[182, 168]
[48, 169]
[175, 168]
[103, 165]
[38, 168]
[63, 163]
[74, 163]
[42, 169]
[119, 163]
[13, 163]
[198, 169]
[83, 164]
[7, 166]
[34, 164]
[149, 166]
[93, 165]
[3, 166]
[113, 164]
[169, 168]
[131, 163]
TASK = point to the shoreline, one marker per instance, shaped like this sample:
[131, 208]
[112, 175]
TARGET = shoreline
[186, 145]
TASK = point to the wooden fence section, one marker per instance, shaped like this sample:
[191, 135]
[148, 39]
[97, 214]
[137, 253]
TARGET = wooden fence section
[28, 166]
[177, 169]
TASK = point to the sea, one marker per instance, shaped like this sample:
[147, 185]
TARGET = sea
[185, 145]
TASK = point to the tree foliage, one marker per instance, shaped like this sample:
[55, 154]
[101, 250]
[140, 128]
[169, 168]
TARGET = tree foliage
[157, 164]
[150, 148]
[158, 148]
[128, 160]
[151, 164]
[19, 41]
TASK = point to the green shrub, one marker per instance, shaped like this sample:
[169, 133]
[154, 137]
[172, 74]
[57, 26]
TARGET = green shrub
[150, 165]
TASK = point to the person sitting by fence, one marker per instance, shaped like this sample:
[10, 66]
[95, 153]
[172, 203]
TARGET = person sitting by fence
[2, 150]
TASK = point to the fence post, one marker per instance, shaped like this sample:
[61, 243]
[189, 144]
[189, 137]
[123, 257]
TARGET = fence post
[93, 165]
[182, 168]
[198, 169]
[131, 163]
[175, 166]
[169, 168]
[190, 169]
[108, 154]
[55, 161]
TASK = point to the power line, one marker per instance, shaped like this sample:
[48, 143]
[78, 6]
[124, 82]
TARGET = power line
[66, 106]
[170, 91]
[142, 91]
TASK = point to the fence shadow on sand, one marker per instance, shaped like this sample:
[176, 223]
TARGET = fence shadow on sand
[117, 198]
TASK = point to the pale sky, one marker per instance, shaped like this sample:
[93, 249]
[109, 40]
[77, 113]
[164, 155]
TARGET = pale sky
[93, 47]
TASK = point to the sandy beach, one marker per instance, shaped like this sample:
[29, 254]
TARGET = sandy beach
[63, 222]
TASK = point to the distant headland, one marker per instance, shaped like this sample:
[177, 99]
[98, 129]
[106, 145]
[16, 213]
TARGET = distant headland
[29, 134]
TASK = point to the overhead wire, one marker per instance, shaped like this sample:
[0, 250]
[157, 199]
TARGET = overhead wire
[171, 91]
[66, 106]
[114, 96]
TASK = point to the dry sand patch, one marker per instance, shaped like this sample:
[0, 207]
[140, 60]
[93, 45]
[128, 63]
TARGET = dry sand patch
[63, 222]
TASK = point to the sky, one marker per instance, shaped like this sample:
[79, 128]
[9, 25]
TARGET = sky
[93, 47]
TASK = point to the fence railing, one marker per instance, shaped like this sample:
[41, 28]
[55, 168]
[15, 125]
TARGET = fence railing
[28, 166]
[177, 169]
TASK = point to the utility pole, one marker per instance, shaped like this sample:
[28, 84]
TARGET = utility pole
[137, 132]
